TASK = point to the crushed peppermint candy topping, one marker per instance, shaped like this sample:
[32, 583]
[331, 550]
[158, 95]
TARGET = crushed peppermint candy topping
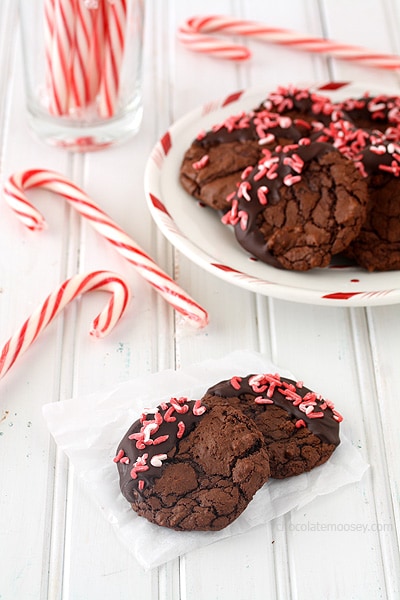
[235, 382]
[393, 168]
[266, 385]
[291, 179]
[291, 98]
[295, 162]
[262, 194]
[200, 164]
[239, 121]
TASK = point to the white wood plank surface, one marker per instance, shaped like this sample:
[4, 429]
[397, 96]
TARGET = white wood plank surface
[54, 542]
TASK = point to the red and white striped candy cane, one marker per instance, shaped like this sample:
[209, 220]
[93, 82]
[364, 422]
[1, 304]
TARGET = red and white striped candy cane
[81, 69]
[114, 43]
[57, 300]
[59, 55]
[48, 26]
[14, 189]
[195, 35]
[96, 51]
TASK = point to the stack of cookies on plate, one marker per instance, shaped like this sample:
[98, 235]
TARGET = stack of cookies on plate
[303, 180]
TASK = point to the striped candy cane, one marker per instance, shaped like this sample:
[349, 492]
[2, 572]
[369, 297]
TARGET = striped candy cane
[60, 55]
[96, 50]
[57, 300]
[114, 43]
[195, 35]
[49, 8]
[81, 69]
[39, 178]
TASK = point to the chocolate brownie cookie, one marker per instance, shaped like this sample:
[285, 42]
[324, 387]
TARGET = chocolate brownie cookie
[190, 466]
[299, 206]
[212, 166]
[300, 428]
[377, 247]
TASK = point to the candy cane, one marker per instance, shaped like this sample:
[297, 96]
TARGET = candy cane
[60, 52]
[114, 43]
[81, 73]
[96, 51]
[33, 219]
[48, 26]
[194, 34]
[57, 300]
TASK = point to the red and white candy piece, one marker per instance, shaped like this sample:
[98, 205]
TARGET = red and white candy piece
[82, 70]
[14, 190]
[59, 34]
[114, 44]
[57, 300]
[195, 35]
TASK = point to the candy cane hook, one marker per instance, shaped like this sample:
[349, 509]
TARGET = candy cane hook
[39, 178]
[57, 300]
[195, 35]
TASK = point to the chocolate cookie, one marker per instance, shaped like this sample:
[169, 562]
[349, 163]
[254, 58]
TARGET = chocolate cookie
[212, 166]
[300, 428]
[299, 206]
[377, 247]
[190, 466]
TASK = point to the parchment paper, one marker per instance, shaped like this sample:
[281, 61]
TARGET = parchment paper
[89, 428]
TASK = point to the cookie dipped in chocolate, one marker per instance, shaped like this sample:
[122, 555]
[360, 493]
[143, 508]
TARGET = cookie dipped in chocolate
[189, 466]
[299, 206]
[300, 428]
[377, 247]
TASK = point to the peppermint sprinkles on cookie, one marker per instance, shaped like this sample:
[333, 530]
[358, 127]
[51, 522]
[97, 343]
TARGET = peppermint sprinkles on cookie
[145, 447]
[304, 407]
[310, 403]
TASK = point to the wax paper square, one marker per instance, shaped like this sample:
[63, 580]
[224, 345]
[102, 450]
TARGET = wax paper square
[89, 428]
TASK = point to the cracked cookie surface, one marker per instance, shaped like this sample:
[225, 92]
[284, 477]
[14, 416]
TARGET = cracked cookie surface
[202, 475]
[300, 428]
[299, 206]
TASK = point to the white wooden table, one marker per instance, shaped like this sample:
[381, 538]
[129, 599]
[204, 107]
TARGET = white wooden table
[54, 543]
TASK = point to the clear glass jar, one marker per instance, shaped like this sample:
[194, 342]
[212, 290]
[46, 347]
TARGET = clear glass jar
[83, 70]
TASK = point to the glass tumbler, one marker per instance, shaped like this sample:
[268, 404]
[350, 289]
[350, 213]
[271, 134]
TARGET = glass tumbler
[83, 70]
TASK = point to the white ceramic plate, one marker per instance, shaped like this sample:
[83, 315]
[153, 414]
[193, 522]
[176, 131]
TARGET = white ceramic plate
[197, 232]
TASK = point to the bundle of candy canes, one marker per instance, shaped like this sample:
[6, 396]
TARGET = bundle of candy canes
[84, 50]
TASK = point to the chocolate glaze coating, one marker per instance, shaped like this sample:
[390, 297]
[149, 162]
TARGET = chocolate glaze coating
[301, 104]
[372, 112]
[325, 427]
[128, 485]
